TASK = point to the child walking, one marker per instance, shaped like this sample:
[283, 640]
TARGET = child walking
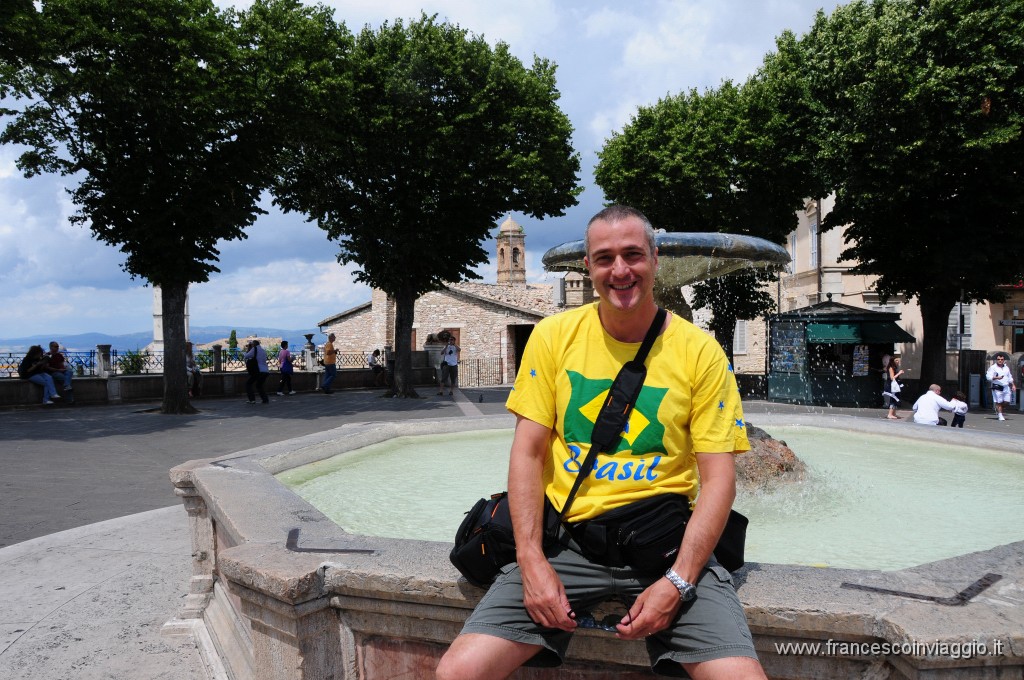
[959, 403]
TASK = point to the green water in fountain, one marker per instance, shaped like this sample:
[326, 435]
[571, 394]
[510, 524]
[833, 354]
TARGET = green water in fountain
[869, 501]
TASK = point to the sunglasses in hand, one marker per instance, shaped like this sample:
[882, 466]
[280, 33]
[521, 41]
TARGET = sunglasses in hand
[608, 623]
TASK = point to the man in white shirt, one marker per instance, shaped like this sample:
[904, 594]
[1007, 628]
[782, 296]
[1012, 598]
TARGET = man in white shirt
[928, 405]
[450, 366]
[1000, 379]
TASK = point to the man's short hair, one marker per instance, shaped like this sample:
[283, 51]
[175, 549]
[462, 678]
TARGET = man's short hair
[617, 213]
[934, 388]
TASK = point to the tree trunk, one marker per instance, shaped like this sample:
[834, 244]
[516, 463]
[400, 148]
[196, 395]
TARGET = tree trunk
[935, 308]
[172, 303]
[405, 309]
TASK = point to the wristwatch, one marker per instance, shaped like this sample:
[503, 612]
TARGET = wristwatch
[687, 591]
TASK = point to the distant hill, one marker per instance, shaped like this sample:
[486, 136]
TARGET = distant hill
[133, 341]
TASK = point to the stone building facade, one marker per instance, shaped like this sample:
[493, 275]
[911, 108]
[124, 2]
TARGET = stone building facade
[489, 321]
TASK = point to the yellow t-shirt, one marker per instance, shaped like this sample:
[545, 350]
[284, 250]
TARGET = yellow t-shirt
[330, 354]
[689, 404]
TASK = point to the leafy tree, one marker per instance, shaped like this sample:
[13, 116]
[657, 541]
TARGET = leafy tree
[19, 40]
[920, 112]
[167, 114]
[720, 160]
[740, 295]
[676, 161]
[440, 136]
[233, 340]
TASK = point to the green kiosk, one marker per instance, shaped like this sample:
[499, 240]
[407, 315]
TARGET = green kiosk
[830, 354]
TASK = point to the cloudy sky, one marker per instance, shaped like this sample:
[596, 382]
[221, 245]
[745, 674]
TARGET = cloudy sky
[612, 57]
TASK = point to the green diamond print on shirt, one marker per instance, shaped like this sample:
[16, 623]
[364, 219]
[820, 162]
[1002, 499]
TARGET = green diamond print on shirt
[644, 433]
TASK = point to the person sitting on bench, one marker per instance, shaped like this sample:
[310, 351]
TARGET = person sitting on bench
[34, 369]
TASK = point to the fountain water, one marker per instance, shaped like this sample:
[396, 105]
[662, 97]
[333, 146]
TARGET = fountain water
[887, 497]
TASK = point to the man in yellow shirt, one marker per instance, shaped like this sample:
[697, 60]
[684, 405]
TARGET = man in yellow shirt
[680, 439]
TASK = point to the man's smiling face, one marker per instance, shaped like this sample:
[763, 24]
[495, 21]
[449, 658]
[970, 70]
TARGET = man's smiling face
[621, 263]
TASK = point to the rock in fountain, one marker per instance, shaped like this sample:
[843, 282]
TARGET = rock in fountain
[768, 463]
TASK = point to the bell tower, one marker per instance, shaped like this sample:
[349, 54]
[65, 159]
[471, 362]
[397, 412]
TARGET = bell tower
[511, 253]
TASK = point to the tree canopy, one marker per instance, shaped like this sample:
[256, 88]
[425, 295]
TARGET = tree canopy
[919, 112]
[440, 135]
[166, 115]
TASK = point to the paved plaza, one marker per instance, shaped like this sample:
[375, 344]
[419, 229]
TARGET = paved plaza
[94, 545]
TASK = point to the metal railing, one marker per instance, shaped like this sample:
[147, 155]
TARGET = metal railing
[351, 360]
[84, 363]
[481, 372]
[472, 372]
[136, 362]
[145, 362]
[235, 362]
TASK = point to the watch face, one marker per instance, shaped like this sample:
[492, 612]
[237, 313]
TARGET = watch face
[688, 593]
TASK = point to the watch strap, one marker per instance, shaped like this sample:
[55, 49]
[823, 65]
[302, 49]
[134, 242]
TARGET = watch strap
[687, 591]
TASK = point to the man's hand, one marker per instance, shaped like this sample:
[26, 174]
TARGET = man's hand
[652, 612]
[544, 596]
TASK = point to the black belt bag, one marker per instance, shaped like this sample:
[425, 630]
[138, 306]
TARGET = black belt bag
[647, 535]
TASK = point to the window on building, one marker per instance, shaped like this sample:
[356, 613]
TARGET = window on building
[953, 341]
[813, 227]
[739, 337]
[791, 267]
[515, 256]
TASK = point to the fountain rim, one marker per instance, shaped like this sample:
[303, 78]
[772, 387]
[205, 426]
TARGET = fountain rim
[252, 513]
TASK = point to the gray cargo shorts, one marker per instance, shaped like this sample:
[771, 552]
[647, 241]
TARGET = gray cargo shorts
[713, 626]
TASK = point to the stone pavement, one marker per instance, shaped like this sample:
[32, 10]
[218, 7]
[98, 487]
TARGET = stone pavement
[94, 547]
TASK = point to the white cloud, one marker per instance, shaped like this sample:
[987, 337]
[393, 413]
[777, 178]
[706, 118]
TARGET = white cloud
[39, 245]
[666, 47]
[59, 310]
[282, 294]
[7, 167]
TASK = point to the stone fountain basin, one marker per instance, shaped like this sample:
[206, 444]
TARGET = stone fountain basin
[267, 602]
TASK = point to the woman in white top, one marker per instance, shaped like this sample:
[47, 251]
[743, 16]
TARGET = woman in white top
[892, 390]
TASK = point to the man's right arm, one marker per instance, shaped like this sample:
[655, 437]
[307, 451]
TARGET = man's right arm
[543, 592]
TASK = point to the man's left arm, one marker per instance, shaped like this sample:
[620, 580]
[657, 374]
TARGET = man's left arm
[657, 606]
